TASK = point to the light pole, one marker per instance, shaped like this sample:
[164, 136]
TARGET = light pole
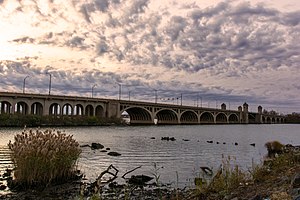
[120, 90]
[24, 83]
[50, 75]
[93, 90]
[155, 96]
[129, 94]
[181, 99]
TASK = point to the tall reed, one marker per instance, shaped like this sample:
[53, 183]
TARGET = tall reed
[43, 157]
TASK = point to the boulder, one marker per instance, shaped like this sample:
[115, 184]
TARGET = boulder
[113, 153]
[97, 146]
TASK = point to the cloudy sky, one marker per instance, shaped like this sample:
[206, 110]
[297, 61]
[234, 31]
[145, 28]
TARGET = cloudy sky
[215, 51]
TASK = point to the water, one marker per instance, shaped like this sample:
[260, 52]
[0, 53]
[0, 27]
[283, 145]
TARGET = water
[177, 162]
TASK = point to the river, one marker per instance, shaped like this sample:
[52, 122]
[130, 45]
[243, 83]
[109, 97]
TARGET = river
[177, 162]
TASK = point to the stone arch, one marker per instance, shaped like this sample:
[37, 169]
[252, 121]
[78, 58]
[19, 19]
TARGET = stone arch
[282, 120]
[78, 110]
[55, 109]
[138, 115]
[273, 120]
[89, 110]
[166, 116]
[263, 119]
[21, 108]
[268, 120]
[189, 117]
[277, 121]
[67, 109]
[5, 107]
[37, 108]
[233, 118]
[206, 118]
[251, 118]
[221, 118]
[99, 111]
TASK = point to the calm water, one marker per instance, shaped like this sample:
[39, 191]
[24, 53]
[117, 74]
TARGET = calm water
[173, 158]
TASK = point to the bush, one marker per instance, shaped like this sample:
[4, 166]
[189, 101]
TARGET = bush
[274, 148]
[45, 157]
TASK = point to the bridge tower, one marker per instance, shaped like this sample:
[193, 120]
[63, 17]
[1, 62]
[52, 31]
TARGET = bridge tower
[245, 116]
[259, 115]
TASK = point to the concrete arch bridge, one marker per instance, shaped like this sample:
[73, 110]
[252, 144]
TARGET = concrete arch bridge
[139, 112]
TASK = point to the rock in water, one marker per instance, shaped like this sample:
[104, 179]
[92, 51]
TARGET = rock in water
[139, 179]
[112, 153]
[97, 146]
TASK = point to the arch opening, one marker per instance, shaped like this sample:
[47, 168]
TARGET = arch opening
[37, 109]
[5, 107]
[54, 109]
[67, 109]
[166, 117]
[89, 110]
[206, 118]
[100, 111]
[188, 117]
[233, 118]
[78, 110]
[221, 118]
[21, 108]
[137, 115]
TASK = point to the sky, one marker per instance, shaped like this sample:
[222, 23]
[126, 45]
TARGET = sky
[208, 52]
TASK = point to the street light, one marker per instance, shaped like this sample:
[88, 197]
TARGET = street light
[50, 75]
[120, 90]
[155, 96]
[24, 84]
[93, 90]
[129, 94]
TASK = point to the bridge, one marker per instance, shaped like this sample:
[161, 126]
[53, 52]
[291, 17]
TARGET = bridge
[139, 112]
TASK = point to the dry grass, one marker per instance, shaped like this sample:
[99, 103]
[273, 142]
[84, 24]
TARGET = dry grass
[43, 157]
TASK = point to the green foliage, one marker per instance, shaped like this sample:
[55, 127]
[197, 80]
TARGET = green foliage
[45, 157]
[36, 120]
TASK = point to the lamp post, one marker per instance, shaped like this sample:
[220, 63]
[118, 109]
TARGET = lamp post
[50, 76]
[120, 90]
[24, 83]
[129, 92]
[93, 90]
[155, 96]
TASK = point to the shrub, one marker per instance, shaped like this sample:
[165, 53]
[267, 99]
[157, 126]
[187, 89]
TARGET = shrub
[274, 148]
[43, 157]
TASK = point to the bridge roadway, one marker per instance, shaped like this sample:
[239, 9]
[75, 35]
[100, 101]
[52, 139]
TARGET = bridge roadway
[139, 112]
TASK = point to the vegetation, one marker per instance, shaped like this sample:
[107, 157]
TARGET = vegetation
[41, 158]
[293, 118]
[271, 179]
[7, 120]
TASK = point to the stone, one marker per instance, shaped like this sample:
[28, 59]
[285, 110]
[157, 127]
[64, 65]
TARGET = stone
[3, 187]
[296, 181]
[113, 153]
[97, 146]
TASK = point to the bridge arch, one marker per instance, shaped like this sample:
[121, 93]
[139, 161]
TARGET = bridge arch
[166, 116]
[67, 109]
[273, 120]
[277, 121]
[21, 108]
[189, 117]
[206, 118]
[78, 110]
[263, 119]
[233, 118]
[138, 115]
[54, 109]
[37, 108]
[268, 120]
[89, 110]
[251, 118]
[221, 118]
[5, 107]
[99, 112]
